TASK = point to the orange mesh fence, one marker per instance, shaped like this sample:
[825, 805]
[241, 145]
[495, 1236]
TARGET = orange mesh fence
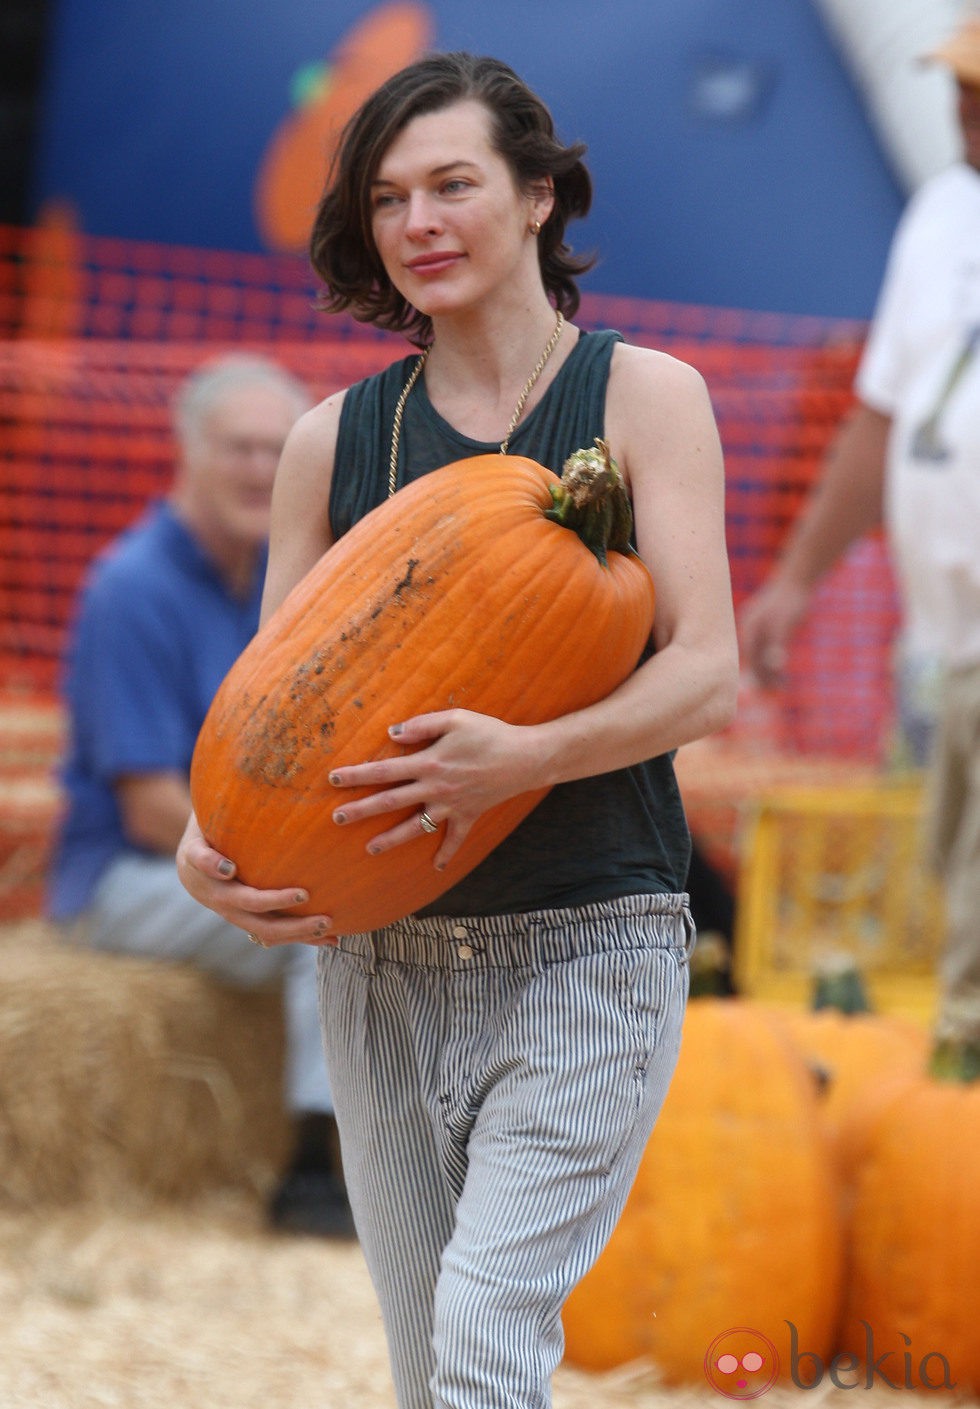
[95, 334]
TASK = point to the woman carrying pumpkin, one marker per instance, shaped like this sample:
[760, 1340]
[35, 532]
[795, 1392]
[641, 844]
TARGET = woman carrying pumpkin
[498, 1059]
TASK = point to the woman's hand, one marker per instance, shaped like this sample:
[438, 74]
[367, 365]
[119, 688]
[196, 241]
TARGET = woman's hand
[471, 763]
[210, 878]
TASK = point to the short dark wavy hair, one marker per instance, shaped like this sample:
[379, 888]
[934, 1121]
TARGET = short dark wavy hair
[342, 247]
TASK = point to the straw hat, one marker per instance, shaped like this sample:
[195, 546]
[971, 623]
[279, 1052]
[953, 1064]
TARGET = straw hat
[961, 52]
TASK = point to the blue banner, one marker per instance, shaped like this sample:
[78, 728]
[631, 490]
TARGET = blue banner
[733, 160]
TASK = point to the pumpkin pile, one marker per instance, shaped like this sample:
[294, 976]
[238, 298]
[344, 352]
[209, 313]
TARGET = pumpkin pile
[732, 1221]
[853, 1053]
[488, 585]
[806, 1209]
[914, 1226]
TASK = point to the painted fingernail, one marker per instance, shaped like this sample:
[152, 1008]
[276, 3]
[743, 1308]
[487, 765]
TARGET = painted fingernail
[340, 818]
[334, 778]
[320, 930]
[226, 868]
[373, 850]
[396, 729]
[301, 897]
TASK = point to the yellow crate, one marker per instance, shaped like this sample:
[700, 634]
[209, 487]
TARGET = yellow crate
[839, 869]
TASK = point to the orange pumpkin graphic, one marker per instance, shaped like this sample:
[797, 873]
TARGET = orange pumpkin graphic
[291, 173]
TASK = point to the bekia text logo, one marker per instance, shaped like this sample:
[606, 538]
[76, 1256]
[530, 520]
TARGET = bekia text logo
[742, 1363]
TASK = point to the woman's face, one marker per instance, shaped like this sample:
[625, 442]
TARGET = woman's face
[450, 225]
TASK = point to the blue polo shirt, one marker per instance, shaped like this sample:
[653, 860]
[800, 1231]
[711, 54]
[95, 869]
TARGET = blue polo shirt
[156, 632]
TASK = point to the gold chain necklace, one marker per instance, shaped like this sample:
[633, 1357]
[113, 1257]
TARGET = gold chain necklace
[396, 425]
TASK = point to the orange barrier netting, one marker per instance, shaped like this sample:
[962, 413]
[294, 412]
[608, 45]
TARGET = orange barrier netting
[95, 334]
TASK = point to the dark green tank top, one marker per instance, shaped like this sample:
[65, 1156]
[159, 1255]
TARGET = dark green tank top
[614, 834]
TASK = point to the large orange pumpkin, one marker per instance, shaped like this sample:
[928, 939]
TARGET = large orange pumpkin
[913, 1294]
[731, 1237]
[853, 1052]
[460, 591]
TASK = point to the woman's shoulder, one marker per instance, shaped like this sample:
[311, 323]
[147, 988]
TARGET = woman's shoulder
[649, 370]
[658, 410]
[383, 384]
[315, 431]
[653, 361]
[326, 415]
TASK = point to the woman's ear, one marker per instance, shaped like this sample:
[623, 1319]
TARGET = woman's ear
[542, 193]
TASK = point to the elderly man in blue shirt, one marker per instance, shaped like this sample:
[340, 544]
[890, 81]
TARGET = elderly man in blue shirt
[165, 611]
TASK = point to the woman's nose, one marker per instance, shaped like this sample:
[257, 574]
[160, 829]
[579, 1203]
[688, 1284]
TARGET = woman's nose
[422, 215]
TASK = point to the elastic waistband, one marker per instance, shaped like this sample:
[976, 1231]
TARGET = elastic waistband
[534, 938]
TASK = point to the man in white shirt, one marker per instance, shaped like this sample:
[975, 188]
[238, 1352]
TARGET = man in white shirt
[909, 455]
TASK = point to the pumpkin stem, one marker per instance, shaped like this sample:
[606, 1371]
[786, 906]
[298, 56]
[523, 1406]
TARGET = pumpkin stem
[838, 984]
[592, 501]
[955, 1060]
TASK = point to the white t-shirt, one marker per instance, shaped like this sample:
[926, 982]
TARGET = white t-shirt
[921, 366]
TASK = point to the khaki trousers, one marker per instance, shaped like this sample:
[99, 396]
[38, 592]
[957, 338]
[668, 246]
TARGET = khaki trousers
[954, 842]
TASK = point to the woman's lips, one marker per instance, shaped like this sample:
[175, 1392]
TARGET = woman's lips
[433, 263]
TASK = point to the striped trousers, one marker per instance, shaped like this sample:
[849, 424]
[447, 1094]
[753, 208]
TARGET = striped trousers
[495, 1082]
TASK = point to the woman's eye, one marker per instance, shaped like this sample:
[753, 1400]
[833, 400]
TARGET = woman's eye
[385, 199]
[456, 185]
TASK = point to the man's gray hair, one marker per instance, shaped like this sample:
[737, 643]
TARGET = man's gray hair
[209, 382]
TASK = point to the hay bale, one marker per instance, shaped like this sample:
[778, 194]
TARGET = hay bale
[122, 1075]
